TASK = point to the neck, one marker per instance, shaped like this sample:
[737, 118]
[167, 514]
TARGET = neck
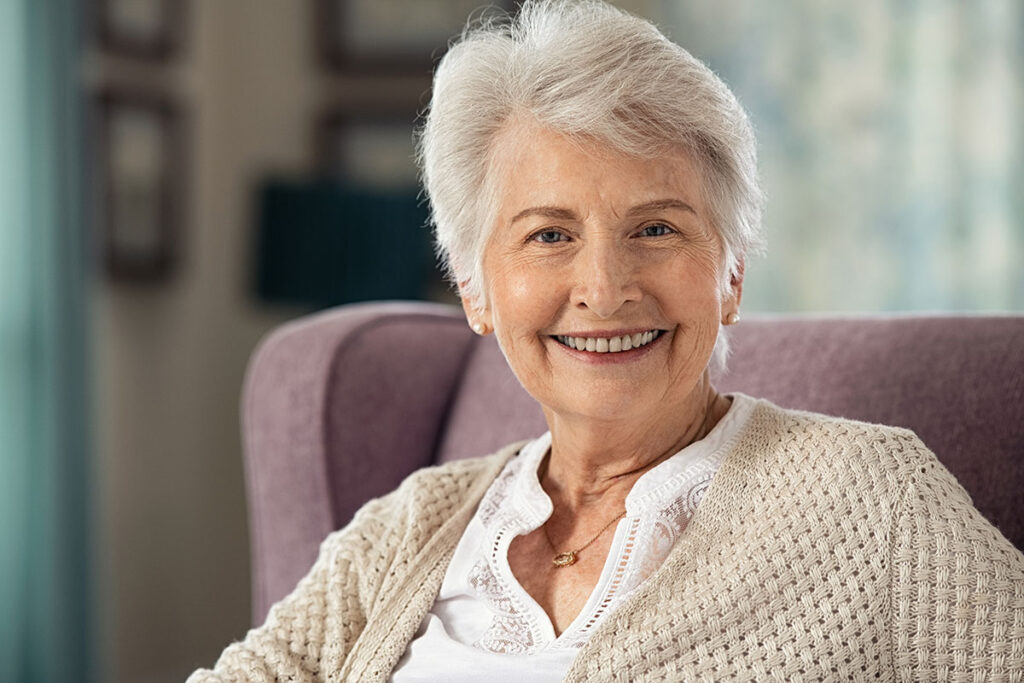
[594, 463]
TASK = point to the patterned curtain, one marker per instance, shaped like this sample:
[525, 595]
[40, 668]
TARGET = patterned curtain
[44, 576]
[891, 136]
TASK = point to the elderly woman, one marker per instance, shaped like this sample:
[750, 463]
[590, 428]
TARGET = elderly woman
[595, 194]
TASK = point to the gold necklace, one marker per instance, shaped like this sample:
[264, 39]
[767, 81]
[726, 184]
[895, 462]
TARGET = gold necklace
[568, 558]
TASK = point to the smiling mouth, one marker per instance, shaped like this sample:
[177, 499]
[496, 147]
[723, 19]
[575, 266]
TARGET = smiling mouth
[626, 342]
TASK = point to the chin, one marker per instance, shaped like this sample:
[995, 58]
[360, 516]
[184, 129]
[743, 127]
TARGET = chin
[604, 401]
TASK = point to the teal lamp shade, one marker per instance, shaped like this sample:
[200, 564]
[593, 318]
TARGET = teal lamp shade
[322, 244]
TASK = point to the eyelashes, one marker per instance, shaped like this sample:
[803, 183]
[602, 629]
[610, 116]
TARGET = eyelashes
[556, 235]
[549, 236]
[656, 230]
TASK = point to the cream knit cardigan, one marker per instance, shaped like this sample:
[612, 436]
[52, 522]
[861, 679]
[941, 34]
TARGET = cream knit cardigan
[824, 549]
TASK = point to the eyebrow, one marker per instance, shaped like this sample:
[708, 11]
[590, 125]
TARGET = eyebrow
[563, 214]
[546, 212]
[660, 205]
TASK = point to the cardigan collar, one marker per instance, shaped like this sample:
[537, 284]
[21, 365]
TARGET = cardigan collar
[423, 574]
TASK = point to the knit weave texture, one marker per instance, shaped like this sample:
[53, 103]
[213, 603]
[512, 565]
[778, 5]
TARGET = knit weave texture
[824, 549]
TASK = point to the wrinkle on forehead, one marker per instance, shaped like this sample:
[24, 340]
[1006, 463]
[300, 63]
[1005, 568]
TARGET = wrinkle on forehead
[672, 184]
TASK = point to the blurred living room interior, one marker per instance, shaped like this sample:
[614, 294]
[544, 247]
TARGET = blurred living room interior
[181, 177]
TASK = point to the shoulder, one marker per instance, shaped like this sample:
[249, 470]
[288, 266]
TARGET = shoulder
[806, 424]
[811, 459]
[797, 452]
[423, 501]
[828, 440]
[454, 480]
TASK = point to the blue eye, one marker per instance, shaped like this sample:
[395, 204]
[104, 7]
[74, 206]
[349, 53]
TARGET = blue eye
[549, 236]
[655, 230]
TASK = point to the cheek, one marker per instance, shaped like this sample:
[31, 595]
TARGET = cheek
[523, 308]
[521, 289]
[692, 285]
[522, 300]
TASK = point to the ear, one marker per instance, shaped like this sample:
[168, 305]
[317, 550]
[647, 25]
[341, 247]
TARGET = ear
[736, 286]
[475, 315]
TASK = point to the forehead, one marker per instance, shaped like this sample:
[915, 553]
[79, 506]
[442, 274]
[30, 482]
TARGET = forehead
[532, 165]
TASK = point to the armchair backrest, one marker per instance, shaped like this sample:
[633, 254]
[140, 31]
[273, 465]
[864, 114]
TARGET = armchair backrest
[340, 406]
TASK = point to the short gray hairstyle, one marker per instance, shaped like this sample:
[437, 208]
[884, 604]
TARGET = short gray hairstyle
[583, 68]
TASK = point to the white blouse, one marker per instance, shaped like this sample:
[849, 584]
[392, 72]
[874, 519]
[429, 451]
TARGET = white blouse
[485, 626]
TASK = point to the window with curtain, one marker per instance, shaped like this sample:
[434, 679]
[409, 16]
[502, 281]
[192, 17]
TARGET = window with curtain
[45, 630]
[891, 143]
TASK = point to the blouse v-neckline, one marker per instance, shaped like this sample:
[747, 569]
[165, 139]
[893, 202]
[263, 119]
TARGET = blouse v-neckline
[426, 619]
[658, 510]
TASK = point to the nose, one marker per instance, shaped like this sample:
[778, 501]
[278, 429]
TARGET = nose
[605, 278]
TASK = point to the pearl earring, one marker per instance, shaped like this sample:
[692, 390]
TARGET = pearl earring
[732, 318]
[478, 328]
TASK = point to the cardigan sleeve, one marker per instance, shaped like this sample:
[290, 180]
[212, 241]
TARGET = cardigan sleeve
[366, 584]
[310, 633]
[958, 587]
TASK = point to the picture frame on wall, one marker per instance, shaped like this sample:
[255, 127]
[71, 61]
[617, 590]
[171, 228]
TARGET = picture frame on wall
[139, 180]
[367, 158]
[151, 30]
[371, 148]
[392, 35]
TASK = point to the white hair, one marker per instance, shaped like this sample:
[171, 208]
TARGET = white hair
[589, 70]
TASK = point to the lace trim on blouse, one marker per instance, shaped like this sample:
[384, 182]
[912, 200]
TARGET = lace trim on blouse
[658, 508]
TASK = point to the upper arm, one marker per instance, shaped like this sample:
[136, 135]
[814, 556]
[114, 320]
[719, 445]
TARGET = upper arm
[957, 587]
[309, 633]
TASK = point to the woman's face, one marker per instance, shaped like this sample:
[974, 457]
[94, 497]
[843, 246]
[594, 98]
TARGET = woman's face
[612, 254]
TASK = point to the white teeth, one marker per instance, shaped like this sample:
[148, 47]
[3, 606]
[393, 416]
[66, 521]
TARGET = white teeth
[610, 344]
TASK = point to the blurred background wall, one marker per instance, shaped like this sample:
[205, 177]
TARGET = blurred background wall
[184, 176]
[892, 147]
[170, 348]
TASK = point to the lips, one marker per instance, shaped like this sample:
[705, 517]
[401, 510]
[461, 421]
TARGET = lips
[618, 344]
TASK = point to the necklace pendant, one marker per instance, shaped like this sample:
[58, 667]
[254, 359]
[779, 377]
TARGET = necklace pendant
[564, 559]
